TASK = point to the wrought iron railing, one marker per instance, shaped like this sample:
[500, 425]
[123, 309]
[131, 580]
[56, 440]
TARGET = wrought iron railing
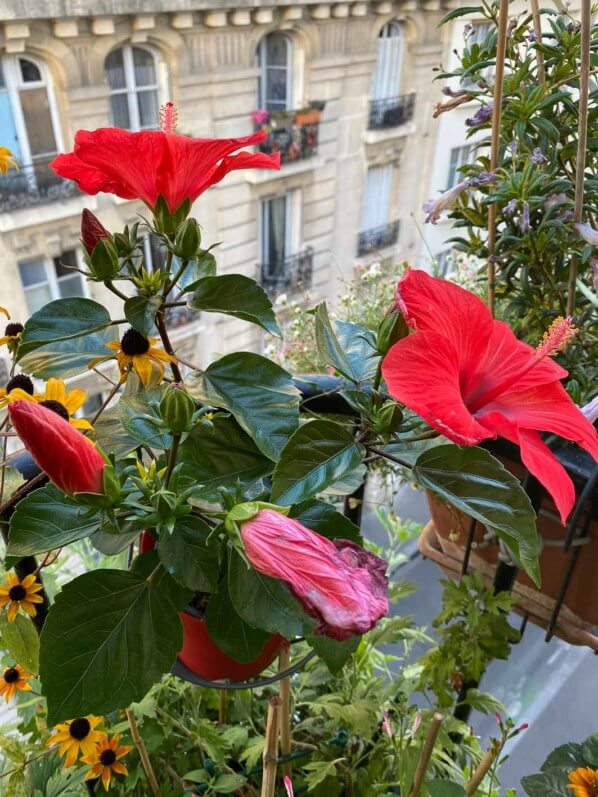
[33, 185]
[288, 275]
[292, 133]
[378, 238]
[391, 112]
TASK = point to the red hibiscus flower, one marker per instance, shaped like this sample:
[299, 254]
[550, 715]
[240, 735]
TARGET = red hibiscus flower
[147, 164]
[470, 378]
[340, 584]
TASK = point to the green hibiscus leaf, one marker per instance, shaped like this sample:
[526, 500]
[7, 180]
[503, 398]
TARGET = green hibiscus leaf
[187, 556]
[333, 652]
[229, 631]
[324, 518]
[140, 312]
[61, 320]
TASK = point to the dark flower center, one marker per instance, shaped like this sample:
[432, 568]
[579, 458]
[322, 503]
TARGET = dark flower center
[22, 381]
[17, 593]
[79, 728]
[133, 342]
[13, 329]
[11, 675]
[56, 407]
[107, 757]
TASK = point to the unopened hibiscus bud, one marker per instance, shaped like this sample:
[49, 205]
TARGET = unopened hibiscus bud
[92, 230]
[69, 459]
[177, 408]
[392, 328]
[187, 240]
[101, 257]
[339, 583]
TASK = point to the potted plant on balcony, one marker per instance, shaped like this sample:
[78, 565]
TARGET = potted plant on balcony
[307, 116]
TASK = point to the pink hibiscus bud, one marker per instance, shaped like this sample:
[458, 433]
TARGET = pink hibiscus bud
[339, 583]
[69, 459]
[92, 230]
[417, 721]
[386, 726]
[523, 727]
[288, 785]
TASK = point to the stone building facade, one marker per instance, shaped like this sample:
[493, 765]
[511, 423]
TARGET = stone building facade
[355, 158]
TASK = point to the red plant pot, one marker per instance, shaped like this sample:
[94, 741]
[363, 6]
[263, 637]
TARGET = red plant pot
[202, 656]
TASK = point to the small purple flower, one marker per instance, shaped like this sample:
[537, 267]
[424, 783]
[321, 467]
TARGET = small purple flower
[524, 224]
[590, 410]
[483, 178]
[513, 146]
[468, 31]
[510, 208]
[553, 200]
[434, 207]
[537, 157]
[588, 233]
[532, 36]
[566, 215]
[480, 117]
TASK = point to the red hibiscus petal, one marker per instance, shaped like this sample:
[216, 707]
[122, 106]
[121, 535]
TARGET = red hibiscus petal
[423, 373]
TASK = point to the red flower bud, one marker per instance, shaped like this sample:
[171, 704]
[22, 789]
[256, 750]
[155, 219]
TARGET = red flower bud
[340, 584]
[92, 230]
[70, 460]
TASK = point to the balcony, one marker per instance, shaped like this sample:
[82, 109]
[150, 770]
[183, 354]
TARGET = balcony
[378, 238]
[292, 133]
[33, 185]
[181, 316]
[391, 112]
[290, 275]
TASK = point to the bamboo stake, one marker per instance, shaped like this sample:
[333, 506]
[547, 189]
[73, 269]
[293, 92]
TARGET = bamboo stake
[426, 754]
[141, 749]
[284, 660]
[222, 705]
[582, 138]
[538, 31]
[499, 75]
[270, 757]
[482, 769]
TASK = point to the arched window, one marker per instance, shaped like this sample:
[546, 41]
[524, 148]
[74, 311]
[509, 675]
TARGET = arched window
[28, 118]
[132, 75]
[386, 83]
[274, 55]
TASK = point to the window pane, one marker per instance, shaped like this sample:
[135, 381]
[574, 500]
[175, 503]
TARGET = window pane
[157, 253]
[147, 102]
[2, 78]
[115, 69]
[33, 272]
[119, 111]
[275, 228]
[37, 297]
[276, 86]
[29, 71]
[65, 262]
[145, 67]
[70, 286]
[38, 121]
[276, 50]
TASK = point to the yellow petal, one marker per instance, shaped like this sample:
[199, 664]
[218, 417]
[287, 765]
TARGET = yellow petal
[56, 391]
[119, 768]
[33, 598]
[106, 777]
[74, 400]
[28, 608]
[28, 580]
[18, 394]
[143, 366]
[4, 340]
[114, 345]
[80, 423]
[12, 578]
[71, 755]
[93, 772]
[5, 311]
[13, 610]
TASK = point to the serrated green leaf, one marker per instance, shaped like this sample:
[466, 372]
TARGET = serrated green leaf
[229, 631]
[47, 519]
[318, 454]
[445, 788]
[260, 394]
[475, 482]
[65, 358]
[140, 312]
[61, 320]
[228, 783]
[324, 518]
[13, 479]
[22, 641]
[547, 784]
[109, 636]
[238, 296]
[187, 557]
[334, 653]
[13, 748]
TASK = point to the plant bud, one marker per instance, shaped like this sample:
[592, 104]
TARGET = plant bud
[177, 408]
[103, 261]
[392, 328]
[387, 418]
[187, 240]
[92, 230]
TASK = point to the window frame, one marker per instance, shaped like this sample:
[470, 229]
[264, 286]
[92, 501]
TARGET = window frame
[131, 89]
[453, 176]
[290, 67]
[290, 247]
[52, 279]
[390, 168]
[376, 92]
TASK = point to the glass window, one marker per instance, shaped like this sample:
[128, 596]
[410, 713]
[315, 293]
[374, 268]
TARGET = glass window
[459, 157]
[376, 197]
[69, 281]
[132, 76]
[43, 282]
[274, 60]
[29, 71]
[36, 282]
[276, 234]
[386, 83]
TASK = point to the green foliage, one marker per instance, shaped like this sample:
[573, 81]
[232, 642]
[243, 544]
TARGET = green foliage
[553, 780]
[21, 640]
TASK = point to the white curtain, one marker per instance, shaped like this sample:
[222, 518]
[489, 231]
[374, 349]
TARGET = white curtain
[376, 198]
[387, 74]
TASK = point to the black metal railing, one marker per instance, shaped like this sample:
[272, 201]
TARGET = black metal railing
[290, 274]
[180, 316]
[378, 238]
[391, 112]
[33, 185]
[293, 134]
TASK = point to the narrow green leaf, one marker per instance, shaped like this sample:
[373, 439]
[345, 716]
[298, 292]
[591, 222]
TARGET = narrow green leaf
[260, 394]
[460, 12]
[329, 346]
[472, 480]
[22, 641]
[238, 296]
[140, 312]
[61, 320]
[318, 454]
[109, 636]
[47, 519]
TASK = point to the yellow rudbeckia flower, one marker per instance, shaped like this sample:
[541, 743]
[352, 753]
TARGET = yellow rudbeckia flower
[13, 680]
[138, 353]
[55, 397]
[77, 736]
[7, 160]
[17, 594]
[584, 782]
[104, 760]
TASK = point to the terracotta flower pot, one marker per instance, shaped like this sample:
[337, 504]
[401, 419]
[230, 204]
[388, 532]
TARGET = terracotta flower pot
[202, 656]
[309, 117]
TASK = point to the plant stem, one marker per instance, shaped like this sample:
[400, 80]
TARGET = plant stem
[390, 457]
[163, 332]
[284, 660]
[115, 290]
[270, 757]
[426, 754]
[22, 490]
[172, 454]
[582, 138]
[538, 31]
[501, 50]
[222, 705]
[141, 749]
[106, 402]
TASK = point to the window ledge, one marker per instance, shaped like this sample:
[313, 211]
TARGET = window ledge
[388, 133]
[259, 176]
[34, 215]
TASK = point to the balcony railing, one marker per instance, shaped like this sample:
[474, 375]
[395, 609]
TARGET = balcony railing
[292, 133]
[181, 316]
[33, 185]
[378, 238]
[391, 112]
[289, 275]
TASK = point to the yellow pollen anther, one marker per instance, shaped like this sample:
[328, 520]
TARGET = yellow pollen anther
[169, 118]
[557, 337]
